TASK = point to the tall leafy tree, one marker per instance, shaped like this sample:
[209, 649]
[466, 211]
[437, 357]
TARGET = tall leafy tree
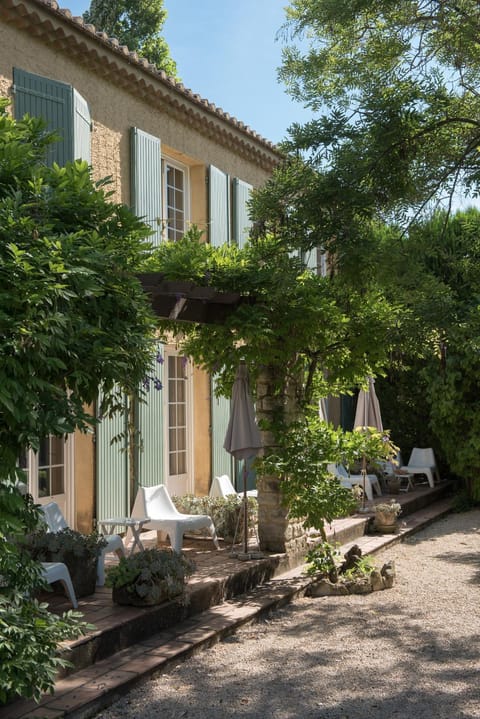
[73, 318]
[395, 84]
[136, 23]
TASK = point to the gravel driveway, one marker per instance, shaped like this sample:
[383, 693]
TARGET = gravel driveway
[411, 652]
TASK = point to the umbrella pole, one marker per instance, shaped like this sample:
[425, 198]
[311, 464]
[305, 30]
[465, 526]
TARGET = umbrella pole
[364, 474]
[245, 508]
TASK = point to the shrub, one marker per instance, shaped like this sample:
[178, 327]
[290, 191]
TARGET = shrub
[224, 511]
[78, 551]
[149, 577]
[29, 638]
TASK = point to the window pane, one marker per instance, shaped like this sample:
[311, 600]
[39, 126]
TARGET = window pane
[57, 445]
[182, 462]
[173, 464]
[43, 452]
[43, 483]
[181, 390]
[181, 440]
[181, 415]
[172, 390]
[172, 439]
[56, 476]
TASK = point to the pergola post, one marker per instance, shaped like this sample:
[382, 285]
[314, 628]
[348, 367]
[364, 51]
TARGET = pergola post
[277, 533]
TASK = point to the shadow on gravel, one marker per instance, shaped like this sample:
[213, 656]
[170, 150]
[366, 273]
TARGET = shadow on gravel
[304, 662]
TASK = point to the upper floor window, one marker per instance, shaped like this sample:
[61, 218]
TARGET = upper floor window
[175, 202]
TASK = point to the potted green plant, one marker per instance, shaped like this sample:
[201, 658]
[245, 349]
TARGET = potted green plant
[386, 516]
[149, 577]
[80, 552]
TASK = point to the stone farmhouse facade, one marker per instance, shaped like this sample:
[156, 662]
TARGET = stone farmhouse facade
[176, 159]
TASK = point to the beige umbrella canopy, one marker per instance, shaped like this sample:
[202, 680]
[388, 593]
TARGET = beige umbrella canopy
[242, 439]
[368, 408]
[367, 415]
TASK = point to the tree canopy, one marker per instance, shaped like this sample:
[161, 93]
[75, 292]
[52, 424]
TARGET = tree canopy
[73, 315]
[395, 84]
[73, 318]
[138, 24]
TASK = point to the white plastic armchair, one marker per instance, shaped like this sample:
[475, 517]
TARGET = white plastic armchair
[156, 503]
[422, 461]
[223, 487]
[56, 522]
[58, 572]
[349, 480]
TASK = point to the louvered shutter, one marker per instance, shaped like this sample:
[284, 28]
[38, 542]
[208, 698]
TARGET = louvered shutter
[150, 462]
[310, 259]
[241, 220]
[219, 234]
[113, 498]
[146, 181]
[219, 207]
[222, 462]
[51, 100]
[82, 123]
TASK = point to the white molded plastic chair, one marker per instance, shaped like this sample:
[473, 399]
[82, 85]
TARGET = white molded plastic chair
[56, 522]
[346, 480]
[422, 461]
[223, 487]
[58, 572]
[156, 503]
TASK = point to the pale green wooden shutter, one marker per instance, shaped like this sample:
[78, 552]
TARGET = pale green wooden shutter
[222, 462]
[310, 259]
[150, 462]
[113, 497]
[146, 180]
[241, 220]
[53, 101]
[219, 234]
[219, 207]
[82, 123]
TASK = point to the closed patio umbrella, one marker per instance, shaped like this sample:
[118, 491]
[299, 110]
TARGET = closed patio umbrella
[242, 439]
[368, 412]
[367, 415]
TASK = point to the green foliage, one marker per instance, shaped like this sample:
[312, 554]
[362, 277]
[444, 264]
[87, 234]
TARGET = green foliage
[137, 24]
[67, 545]
[224, 512]
[431, 391]
[74, 317]
[304, 450]
[29, 639]
[323, 560]
[391, 508]
[394, 86]
[151, 575]
[295, 322]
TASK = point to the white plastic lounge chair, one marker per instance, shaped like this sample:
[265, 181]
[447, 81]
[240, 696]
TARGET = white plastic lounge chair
[58, 572]
[422, 461]
[346, 480]
[156, 503]
[56, 522]
[223, 487]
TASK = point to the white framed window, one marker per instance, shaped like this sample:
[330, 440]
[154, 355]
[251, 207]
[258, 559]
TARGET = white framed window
[50, 472]
[175, 199]
[178, 423]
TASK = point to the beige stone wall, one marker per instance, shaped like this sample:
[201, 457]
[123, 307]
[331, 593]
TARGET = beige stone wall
[121, 96]
[201, 432]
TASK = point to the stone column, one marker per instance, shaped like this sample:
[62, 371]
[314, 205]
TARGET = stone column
[276, 532]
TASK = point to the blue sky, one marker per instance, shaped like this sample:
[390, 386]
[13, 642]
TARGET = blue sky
[226, 52]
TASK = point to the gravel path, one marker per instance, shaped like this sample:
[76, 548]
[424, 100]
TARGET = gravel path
[411, 652]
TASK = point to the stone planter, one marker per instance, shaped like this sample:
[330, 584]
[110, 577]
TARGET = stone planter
[386, 522]
[128, 596]
[84, 575]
